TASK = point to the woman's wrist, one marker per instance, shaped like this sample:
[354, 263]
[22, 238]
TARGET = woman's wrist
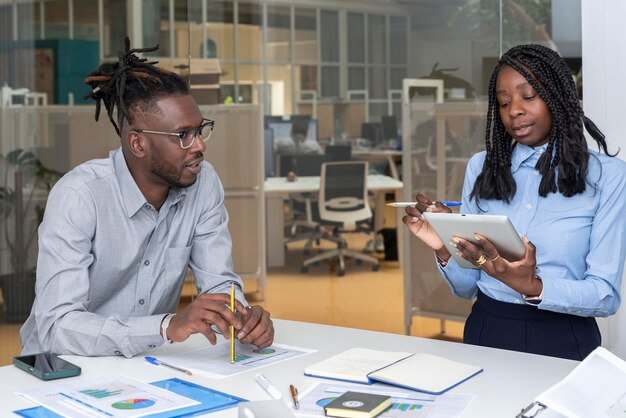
[443, 255]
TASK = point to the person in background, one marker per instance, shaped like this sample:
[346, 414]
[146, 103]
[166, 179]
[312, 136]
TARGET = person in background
[568, 202]
[298, 143]
[119, 233]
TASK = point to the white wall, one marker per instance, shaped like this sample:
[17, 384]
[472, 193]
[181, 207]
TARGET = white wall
[604, 78]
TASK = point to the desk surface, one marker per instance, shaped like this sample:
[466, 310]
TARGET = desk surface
[510, 380]
[280, 185]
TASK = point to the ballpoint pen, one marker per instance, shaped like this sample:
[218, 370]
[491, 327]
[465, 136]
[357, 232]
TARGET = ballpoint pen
[294, 396]
[157, 362]
[232, 328]
[448, 203]
[269, 388]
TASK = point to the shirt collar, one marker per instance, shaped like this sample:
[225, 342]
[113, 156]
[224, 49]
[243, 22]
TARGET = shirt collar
[525, 155]
[132, 197]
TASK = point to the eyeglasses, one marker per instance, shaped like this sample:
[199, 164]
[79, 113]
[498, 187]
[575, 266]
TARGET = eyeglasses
[188, 136]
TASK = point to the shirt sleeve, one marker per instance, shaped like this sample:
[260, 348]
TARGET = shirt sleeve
[598, 293]
[464, 282]
[61, 309]
[211, 253]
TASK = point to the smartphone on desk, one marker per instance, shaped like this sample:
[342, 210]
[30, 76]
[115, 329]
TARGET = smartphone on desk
[46, 366]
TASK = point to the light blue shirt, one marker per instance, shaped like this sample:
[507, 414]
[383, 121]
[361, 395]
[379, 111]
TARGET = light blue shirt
[110, 265]
[580, 240]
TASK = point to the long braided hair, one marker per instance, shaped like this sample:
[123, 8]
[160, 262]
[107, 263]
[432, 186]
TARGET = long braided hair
[131, 81]
[567, 148]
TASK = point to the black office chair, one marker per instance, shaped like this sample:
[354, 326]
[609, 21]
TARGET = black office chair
[343, 207]
[338, 153]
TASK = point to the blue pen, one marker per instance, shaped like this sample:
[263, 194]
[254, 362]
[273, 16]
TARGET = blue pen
[156, 362]
[448, 203]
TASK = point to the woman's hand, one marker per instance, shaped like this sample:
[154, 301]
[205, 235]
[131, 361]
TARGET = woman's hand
[420, 227]
[518, 275]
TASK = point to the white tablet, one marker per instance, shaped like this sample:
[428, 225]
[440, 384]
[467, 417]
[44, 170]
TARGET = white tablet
[496, 228]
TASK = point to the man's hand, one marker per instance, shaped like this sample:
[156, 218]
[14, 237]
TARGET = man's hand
[257, 328]
[204, 311]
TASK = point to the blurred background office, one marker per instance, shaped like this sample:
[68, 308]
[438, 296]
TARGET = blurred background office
[291, 84]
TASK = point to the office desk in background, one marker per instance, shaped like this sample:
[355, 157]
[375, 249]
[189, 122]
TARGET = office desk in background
[277, 188]
[510, 380]
[375, 155]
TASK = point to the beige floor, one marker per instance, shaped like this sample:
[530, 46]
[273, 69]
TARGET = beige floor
[360, 299]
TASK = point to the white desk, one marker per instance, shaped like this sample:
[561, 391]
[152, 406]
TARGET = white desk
[510, 380]
[378, 154]
[277, 188]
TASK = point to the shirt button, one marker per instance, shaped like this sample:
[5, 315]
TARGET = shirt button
[147, 206]
[529, 206]
[117, 353]
[146, 263]
[141, 301]
[152, 346]
[517, 301]
[537, 172]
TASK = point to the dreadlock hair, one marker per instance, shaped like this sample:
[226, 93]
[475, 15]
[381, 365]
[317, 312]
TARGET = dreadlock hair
[131, 81]
[567, 148]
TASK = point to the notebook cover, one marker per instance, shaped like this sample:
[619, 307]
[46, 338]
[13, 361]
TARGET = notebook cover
[356, 402]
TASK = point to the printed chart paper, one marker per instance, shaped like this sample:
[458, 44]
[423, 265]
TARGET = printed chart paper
[107, 396]
[214, 361]
[405, 403]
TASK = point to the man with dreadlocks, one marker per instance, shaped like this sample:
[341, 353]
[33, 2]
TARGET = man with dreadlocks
[119, 233]
[566, 200]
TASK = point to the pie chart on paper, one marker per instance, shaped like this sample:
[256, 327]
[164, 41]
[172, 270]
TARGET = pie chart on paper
[133, 404]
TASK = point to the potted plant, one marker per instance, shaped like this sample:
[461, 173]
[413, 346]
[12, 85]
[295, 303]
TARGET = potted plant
[23, 191]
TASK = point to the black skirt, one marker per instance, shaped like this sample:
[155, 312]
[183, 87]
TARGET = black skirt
[531, 330]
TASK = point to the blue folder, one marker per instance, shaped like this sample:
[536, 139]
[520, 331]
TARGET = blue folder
[210, 400]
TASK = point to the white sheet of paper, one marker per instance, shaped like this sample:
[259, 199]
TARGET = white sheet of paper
[405, 403]
[214, 361]
[595, 388]
[106, 396]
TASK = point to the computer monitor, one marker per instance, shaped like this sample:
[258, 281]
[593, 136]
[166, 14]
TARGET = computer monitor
[373, 131]
[390, 127]
[302, 165]
[282, 126]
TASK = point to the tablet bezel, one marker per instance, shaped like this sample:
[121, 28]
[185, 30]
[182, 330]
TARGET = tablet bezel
[498, 229]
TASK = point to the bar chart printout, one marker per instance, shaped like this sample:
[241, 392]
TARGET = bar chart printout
[107, 396]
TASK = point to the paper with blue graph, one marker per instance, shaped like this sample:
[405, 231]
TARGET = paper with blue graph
[107, 396]
[214, 361]
[405, 403]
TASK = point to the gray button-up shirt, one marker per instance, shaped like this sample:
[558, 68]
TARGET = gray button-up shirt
[110, 265]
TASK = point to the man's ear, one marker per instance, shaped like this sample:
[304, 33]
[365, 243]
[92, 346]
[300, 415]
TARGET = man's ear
[137, 144]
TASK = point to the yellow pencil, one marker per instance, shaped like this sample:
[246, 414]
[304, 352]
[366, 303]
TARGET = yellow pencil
[232, 328]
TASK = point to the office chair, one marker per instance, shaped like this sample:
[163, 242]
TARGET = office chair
[343, 207]
[303, 205]
[338, 152]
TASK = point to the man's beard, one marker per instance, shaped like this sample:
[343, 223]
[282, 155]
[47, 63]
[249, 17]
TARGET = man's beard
[167, 172]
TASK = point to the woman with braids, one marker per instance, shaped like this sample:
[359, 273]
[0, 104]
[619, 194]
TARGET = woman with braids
[119, 233]
[566, 200]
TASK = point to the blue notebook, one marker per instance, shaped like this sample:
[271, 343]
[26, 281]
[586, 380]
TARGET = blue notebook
[210, 400]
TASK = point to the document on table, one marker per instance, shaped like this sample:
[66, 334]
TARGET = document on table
[405, 403]
[214, 361]
[106, 396]
[595, 388]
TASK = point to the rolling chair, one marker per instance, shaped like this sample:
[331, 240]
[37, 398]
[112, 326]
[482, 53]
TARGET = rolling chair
[343, 207]
[303, 205]
[338, 152]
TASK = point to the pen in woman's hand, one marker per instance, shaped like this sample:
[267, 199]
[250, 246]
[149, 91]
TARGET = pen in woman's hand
[448, 203]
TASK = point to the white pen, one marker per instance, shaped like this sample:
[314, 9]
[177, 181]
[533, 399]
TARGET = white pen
[269, 388]
[405, 204]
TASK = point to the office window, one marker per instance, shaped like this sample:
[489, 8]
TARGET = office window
[396, 76]
[56, 19]
[220, 29]
[330, 81]
[377, 39]
[249, 32]
[329, 21]
[398, 40]
[356, 78]
[278, 33]
[377, 83]
[306, 35]
[356, 38]
[86, 19]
